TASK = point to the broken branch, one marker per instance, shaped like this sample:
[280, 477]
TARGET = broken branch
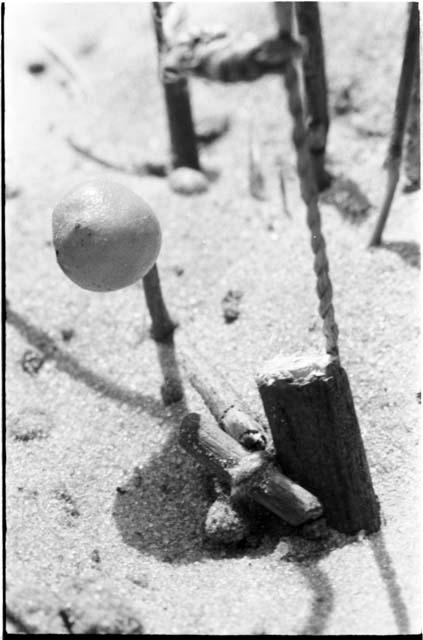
[252, 474]
[223, 402]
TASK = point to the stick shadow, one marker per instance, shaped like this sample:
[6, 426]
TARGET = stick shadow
[346, 196]
[323, 599]
[161, 511]
[408, 251]
[306, 555]
[67, 363]
[389, 576]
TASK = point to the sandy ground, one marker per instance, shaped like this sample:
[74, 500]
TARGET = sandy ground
[105, 512]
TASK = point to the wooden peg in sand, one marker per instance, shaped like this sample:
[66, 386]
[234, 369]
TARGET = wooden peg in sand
[162, 325]
[309, 406]
[250, 474]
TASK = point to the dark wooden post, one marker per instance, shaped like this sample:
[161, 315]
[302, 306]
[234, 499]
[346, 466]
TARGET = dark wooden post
[308, 19]
[308, 400]
[310, 409]
[178, 107]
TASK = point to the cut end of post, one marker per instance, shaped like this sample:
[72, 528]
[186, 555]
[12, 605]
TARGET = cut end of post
[297, 369]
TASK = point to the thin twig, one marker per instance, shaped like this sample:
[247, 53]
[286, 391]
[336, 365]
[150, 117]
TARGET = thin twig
[66, 60]
[158, 169]
[393, 160]
[256, 180]
[284, 193]
[222, 400]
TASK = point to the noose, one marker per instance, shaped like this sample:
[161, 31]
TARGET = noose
[309, 194]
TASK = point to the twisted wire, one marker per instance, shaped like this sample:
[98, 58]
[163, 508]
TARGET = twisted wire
[309, 194]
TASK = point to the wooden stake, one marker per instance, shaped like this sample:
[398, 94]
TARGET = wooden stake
[310, 410]
[178, 107]
[252, 474]
[393, 160]
[223, 402]
[162, 324]
[172, 389]
[308, 19]
[284, 12]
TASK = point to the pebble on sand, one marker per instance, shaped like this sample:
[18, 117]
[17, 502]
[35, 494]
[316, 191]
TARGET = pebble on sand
[30, 423]
[231, 305]
[188, 181]
[225, 524]
[210, 128]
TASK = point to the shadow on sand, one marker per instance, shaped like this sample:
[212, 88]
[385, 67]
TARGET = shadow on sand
[67, 363]
[161, 511]
[346, 196]
[408, 251]
[162, 508]
[389, 577]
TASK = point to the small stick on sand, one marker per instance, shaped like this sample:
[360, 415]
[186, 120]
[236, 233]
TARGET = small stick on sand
[393, 160]
[158, 169]
[250, 474]
[256, 179]
[66, 60]
[284, 194]
[162, 330]
[223, 402]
